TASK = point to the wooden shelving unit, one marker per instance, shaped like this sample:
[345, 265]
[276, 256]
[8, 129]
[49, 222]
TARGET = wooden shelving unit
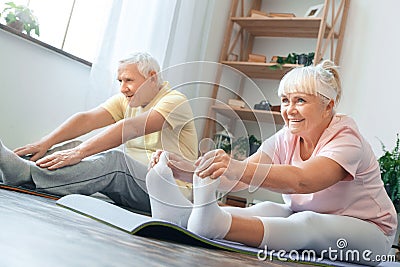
[249, 114]
[260, 70]
[328, 34]
[282, 27]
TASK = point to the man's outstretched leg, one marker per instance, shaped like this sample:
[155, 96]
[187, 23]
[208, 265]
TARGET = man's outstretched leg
[108, 173]
[112, 173]
[167, 201]
[16, 171]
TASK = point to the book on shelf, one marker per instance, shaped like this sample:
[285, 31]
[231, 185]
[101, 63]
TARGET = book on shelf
[281, 15]
[236, 103]
[257, 58]
[258, 14]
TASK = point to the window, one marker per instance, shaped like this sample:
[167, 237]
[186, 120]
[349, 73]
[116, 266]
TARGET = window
[74, 26]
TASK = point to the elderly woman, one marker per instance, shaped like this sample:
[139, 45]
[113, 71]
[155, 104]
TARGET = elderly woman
[327, 172]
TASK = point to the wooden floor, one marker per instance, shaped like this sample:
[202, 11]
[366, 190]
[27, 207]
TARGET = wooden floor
[36, 232]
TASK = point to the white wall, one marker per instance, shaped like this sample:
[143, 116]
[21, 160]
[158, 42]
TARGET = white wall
[370, 70]
[38, 90]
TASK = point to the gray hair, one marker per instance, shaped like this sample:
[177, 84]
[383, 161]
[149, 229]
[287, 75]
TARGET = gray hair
[322, 80]
[145, 64]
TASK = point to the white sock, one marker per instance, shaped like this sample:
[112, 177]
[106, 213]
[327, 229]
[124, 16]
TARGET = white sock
[16, 171]
[207, 218]
[166, 199]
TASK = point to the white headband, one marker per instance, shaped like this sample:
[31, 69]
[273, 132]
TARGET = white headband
[328, 92]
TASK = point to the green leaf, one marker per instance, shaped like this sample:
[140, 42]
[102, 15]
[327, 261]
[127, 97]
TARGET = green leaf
[275, 67]
[389, 164]
[23, 14]
[11, 4]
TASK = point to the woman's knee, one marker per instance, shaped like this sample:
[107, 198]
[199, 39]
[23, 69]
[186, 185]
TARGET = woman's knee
[270, 209]
[305, 217]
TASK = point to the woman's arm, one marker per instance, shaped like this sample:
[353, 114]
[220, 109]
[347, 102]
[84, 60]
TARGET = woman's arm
[311, 176]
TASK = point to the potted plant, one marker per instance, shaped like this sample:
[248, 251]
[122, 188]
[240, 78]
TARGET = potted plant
[302, 59]
[245, 146]
[254, 144]
[293, 58]
[389, 164]
[21, 18]
[223, 140]
[310, 58]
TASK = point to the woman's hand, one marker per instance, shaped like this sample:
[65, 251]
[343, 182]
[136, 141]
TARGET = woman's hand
[61, 159]
[36, 150]
[217, 163]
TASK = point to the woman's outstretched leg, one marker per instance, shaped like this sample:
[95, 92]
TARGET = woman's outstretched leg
[207, 218]
[263, 209]
[330, 236]
[166, 200]
[211, 221]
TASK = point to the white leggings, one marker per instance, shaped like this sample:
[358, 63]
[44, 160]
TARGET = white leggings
[328, 235]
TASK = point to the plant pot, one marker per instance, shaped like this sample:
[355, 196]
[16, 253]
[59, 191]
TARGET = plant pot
[396, 204]
[17, 25]
[302, 59]
[253, 148]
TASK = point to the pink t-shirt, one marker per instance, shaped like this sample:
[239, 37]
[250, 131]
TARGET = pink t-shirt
[361, 194]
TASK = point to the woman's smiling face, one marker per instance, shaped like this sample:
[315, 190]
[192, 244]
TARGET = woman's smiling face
[304, 114]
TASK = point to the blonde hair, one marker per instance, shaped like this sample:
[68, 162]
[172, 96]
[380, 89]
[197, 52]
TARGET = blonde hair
[322, 80]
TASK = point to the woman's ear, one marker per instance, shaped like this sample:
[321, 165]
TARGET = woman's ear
[330, 106]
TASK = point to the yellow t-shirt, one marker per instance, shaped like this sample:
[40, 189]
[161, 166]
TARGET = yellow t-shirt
[178, 136]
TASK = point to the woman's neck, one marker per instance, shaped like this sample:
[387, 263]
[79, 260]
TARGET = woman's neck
[309, 141]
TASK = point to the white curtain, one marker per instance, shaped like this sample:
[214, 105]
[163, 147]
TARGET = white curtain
[190, 32]
[173, 31]
[133, 25]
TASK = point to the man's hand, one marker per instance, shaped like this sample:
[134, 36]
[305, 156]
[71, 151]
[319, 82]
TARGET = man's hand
[61, 159]
[182, 169]
[36, 150]
[155, 157]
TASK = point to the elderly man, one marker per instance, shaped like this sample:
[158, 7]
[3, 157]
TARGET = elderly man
[147, 116]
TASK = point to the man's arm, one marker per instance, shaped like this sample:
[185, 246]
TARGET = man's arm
[77, 125]
[115, 135]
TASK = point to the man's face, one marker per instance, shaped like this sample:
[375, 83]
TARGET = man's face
[137, 90]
